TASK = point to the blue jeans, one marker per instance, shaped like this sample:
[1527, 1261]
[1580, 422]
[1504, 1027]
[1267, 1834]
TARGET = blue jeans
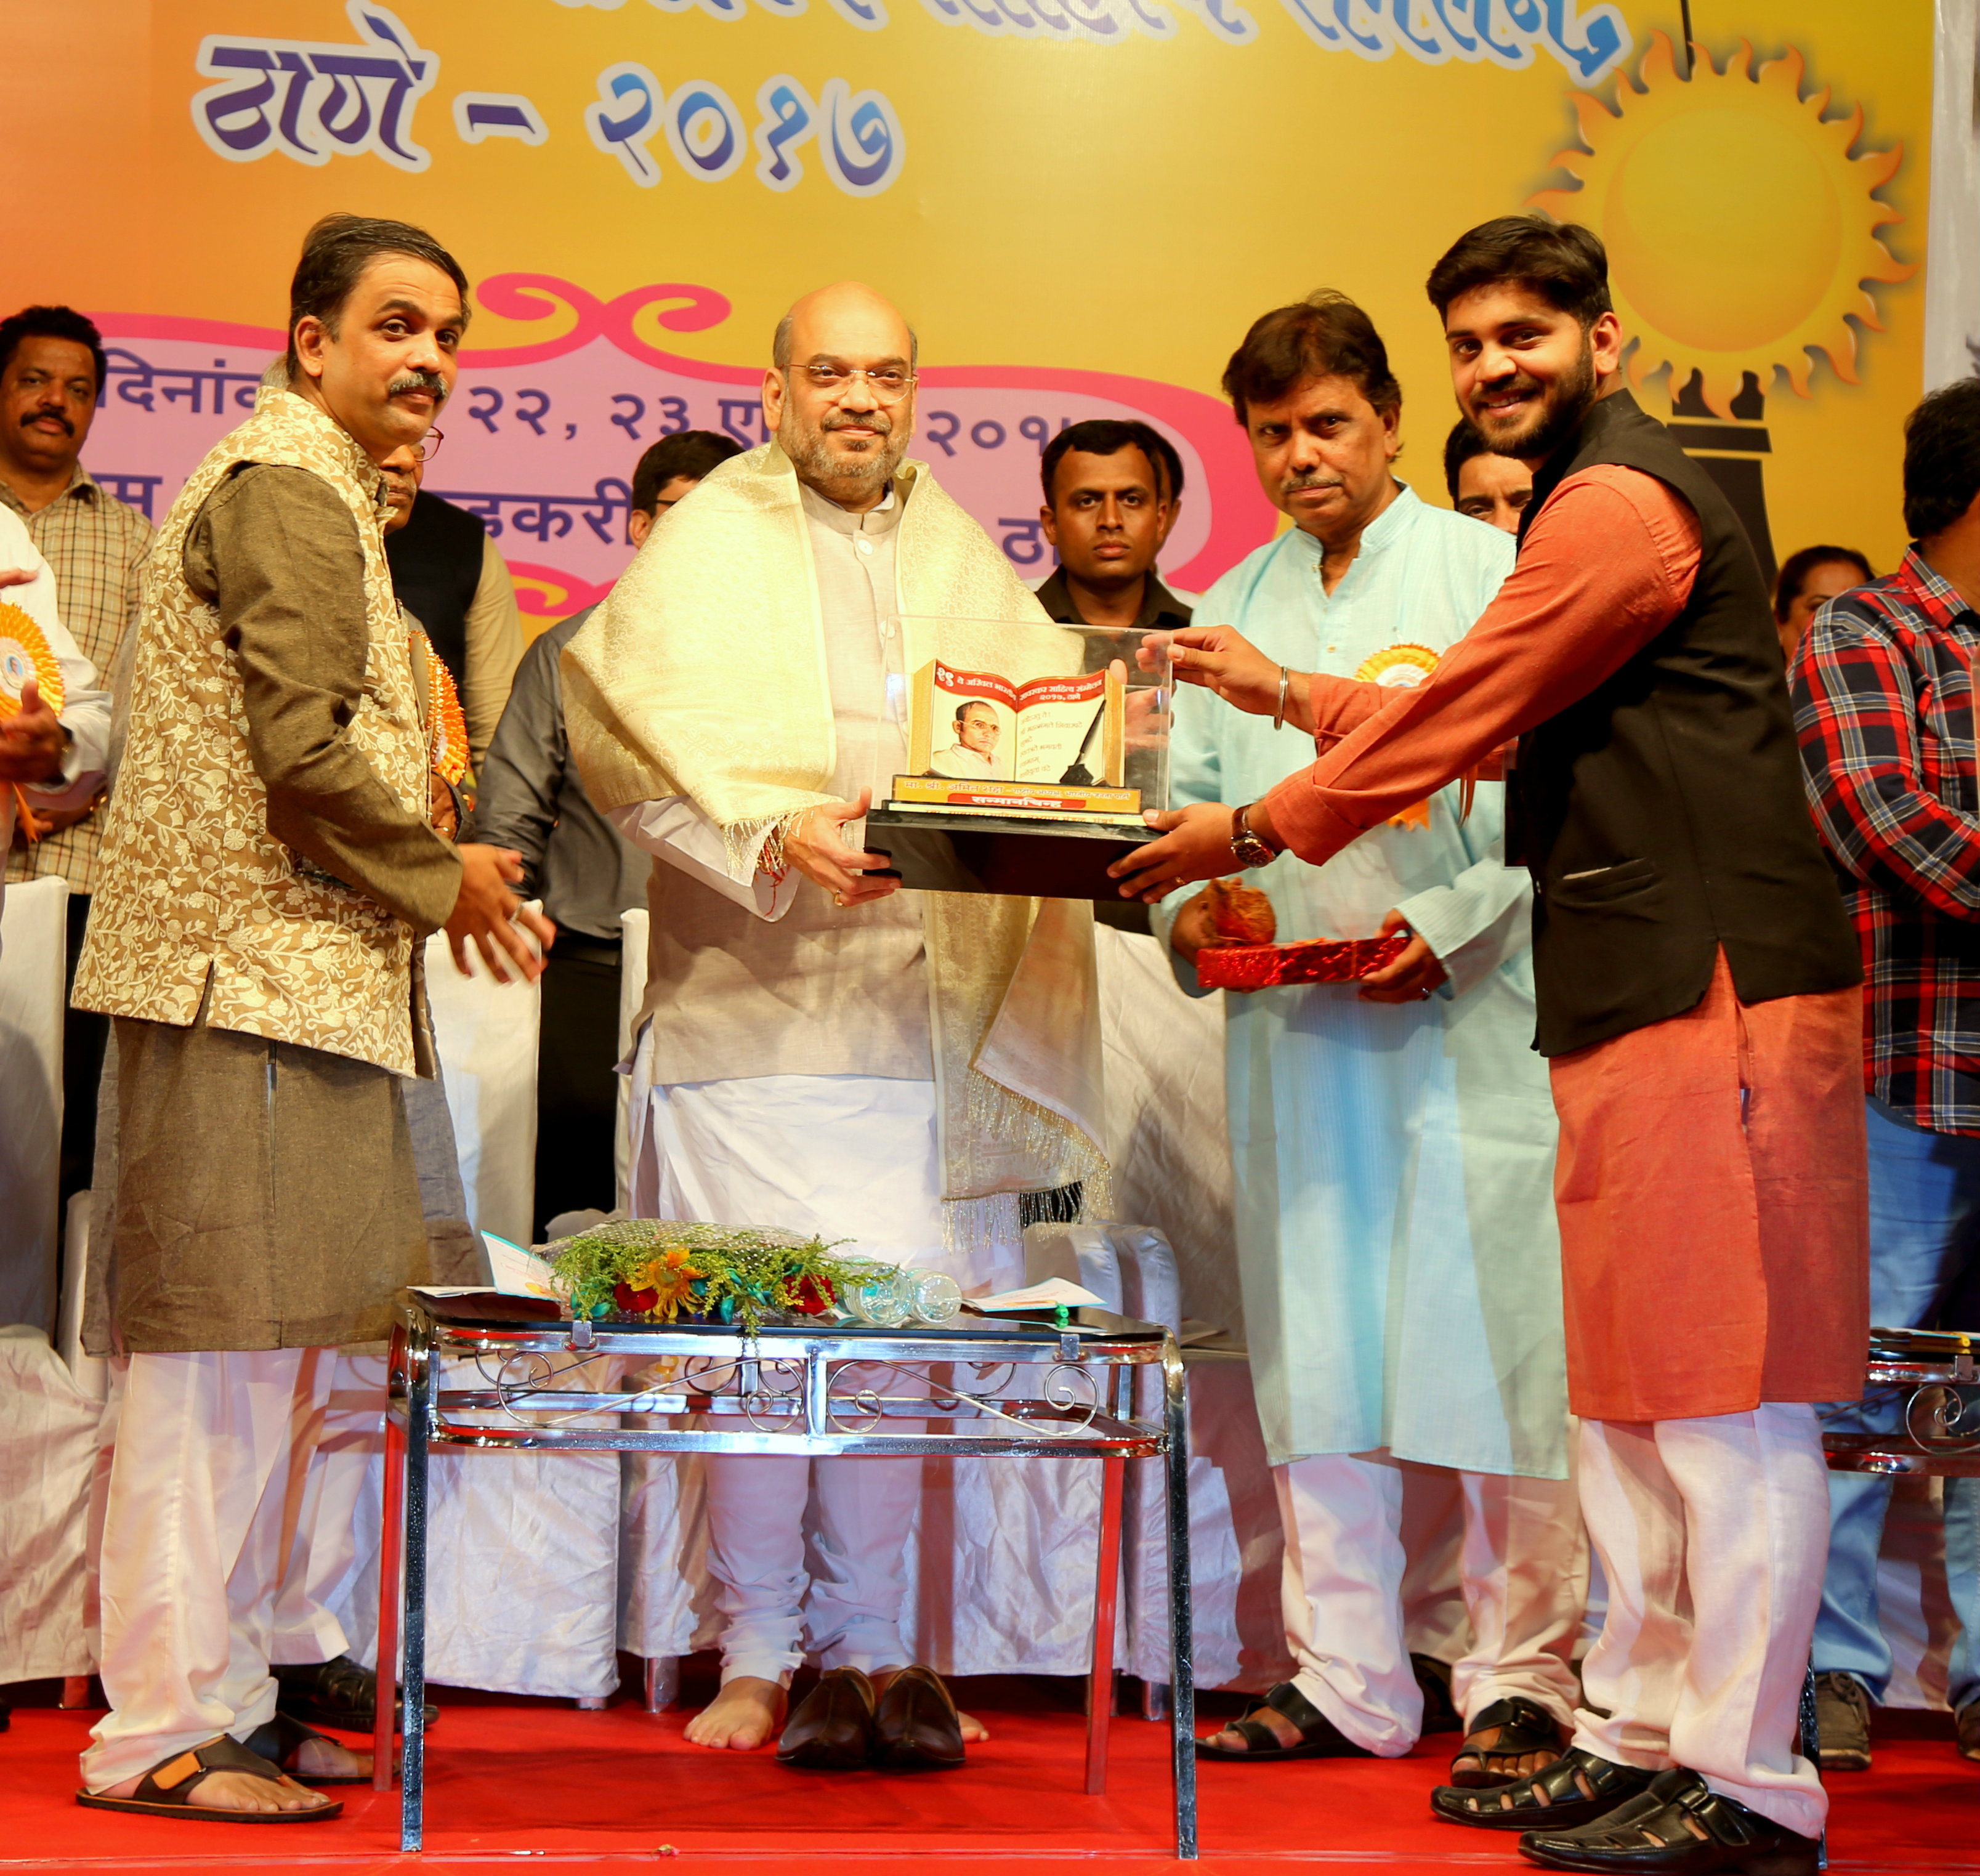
[1924, 1264]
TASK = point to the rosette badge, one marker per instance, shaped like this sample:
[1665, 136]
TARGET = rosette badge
[25, 655]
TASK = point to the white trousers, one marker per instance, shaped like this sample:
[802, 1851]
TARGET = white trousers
[207, 1488]
[845, 1157]
[1712, 1534]
[1523, 1568]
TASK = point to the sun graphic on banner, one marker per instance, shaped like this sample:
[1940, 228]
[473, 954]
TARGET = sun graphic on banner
[1740, 230]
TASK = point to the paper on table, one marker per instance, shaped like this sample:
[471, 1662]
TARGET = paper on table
[517, 1272]
[1053, 1289]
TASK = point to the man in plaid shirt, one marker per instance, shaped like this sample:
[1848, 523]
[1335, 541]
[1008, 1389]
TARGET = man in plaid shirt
[51, 372]
[1883, 693]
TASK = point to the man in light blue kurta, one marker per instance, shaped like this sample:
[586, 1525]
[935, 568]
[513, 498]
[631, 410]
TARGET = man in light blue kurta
[1394, 1160]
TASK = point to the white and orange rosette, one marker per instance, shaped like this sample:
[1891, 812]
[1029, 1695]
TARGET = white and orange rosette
[25, 655]
[1401, 667]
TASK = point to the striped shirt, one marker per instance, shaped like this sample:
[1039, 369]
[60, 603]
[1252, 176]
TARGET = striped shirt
[96, 545]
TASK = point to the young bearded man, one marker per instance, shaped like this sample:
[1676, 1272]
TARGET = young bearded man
[269, 871]
[1403, 1302]
[1697, 993]
[1883, 700]
[821, 1050]
[1113, 490]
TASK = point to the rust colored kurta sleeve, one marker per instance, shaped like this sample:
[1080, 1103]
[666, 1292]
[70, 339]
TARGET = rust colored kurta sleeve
[1605, 566]
[277, 553]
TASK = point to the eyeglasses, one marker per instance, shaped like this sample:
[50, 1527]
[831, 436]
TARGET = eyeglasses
[430, 445]
[889, 384]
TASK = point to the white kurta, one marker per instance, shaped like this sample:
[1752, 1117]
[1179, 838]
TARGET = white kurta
[1393, 1163]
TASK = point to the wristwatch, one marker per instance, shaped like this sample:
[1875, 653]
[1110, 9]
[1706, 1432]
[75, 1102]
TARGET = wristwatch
[1249, 850]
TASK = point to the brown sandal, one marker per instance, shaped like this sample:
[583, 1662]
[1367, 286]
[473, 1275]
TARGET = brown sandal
[166, 1790]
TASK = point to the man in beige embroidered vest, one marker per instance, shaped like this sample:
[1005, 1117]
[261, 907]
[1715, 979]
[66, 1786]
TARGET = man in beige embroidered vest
[269, 872]
[819, 1050]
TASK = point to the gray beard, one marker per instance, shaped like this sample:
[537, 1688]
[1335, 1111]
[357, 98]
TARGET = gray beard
[810, 455]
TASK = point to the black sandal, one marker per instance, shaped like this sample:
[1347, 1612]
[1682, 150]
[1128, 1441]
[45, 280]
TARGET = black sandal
[1319, 1737]
[1652, 1834]
[166, 1790]
[1552, 1799]
[1524, 1726]
[281, 1739]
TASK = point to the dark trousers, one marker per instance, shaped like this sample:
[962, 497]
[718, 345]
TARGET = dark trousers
[85, 1035]
[577, 1093]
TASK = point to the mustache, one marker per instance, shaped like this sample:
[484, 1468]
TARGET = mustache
[1294, 484]
[877, 420]
[418, 381]
[35, 416]
[1518, 382]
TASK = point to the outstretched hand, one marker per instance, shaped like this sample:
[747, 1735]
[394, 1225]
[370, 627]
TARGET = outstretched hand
[1221, 659]
[1196, 845]
[816, 846]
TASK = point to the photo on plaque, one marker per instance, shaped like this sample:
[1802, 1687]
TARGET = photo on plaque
[1027, 753]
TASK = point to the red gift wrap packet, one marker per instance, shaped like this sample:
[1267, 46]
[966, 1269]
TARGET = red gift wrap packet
[1317, 960]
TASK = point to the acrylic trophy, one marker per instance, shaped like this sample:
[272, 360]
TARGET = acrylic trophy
[1018, 757]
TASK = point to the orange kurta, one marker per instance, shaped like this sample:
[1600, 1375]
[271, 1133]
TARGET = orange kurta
[1714, 1222]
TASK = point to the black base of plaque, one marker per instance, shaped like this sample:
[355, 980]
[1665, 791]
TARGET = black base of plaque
[1003, 854]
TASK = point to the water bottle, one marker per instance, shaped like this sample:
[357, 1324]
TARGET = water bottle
[933, 1296]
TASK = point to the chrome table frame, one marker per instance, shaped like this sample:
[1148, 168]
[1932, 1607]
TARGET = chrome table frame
[1940, 1433]
[796, 1391]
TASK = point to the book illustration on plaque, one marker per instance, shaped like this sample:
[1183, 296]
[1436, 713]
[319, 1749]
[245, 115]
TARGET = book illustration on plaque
[1027, 754]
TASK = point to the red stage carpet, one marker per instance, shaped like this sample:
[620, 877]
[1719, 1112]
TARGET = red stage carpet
[534, 1785]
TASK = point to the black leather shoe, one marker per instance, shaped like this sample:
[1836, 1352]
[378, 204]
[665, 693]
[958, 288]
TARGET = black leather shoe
[916, 1726]
[1656, 1838]
[1553, 1799]
[832, 1729]
[336, 1693]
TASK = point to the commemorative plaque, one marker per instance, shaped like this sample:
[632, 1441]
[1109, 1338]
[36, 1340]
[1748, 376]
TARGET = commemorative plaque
[1022, 756]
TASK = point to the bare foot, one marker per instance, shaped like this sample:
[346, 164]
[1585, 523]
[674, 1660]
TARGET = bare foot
[238, 1790]
[748, 1712]
[326, 1758]
[974, 1731]
[1273, 1722]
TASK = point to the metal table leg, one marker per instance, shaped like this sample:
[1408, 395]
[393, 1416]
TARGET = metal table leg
[390, 1543]
[1106, 1599]
[1182, 1645]
[423, 1379]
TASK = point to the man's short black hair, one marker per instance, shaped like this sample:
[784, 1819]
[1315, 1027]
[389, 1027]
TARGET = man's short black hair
[1943, 458]
[1565, 265]
[52, 322]
[1460, 447]
[1795, 569]
[686, 452]
[1108, 435]
[1326, 335]
[337, 251]
[972, 703]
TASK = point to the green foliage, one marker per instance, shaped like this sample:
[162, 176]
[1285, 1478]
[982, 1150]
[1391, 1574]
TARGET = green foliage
[652, 1269]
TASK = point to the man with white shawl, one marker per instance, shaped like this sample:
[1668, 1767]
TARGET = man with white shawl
[820, 1051]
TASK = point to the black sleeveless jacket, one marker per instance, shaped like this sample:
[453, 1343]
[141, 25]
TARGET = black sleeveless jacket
[1663, 815]
[436, 562]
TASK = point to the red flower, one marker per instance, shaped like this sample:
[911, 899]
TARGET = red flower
[815, 1296]
[634, 1302]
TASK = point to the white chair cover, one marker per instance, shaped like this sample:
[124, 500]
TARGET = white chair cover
[34, 930]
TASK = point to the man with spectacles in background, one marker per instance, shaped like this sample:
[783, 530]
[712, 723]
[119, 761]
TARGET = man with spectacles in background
[448, 575]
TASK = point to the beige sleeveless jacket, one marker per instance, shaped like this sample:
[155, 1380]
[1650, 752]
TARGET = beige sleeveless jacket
[193, 884]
